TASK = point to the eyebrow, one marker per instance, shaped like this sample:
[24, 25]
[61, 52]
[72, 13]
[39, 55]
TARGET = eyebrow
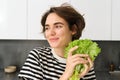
[55, 23]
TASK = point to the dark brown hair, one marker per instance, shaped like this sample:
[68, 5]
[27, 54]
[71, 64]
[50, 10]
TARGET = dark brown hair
[70, 15]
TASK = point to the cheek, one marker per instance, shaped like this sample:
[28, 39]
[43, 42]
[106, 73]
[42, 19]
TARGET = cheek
[60, 32]
[65, 34]
[45, 35]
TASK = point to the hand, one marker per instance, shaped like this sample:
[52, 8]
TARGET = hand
[74, 60]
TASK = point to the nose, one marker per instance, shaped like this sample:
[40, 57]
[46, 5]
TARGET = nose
[52, 32]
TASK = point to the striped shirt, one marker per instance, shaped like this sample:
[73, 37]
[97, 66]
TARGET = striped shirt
[44, 64]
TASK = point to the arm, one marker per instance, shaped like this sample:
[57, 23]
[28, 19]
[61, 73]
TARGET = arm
[30, 67]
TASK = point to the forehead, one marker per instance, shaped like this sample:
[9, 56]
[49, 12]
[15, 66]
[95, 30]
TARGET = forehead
[53, 18]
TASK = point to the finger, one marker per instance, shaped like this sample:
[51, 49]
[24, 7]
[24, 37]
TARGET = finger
[79, 60]
[85, 70]
[72, 50]
[90, 62]
[80, 55]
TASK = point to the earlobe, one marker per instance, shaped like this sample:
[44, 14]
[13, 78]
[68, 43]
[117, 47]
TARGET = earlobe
[74, 29]
[73, 33]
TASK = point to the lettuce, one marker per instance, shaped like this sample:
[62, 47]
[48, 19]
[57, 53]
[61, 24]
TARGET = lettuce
[85, 46]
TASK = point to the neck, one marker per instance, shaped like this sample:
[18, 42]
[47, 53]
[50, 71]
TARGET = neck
[59, 51]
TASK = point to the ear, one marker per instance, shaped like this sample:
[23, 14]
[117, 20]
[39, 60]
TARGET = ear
[74, 29]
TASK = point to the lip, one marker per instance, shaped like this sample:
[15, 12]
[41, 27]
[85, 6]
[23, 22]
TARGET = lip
[53, 39]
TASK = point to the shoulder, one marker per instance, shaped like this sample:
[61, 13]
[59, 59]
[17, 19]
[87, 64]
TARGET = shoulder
[38, 51]
[42, 49]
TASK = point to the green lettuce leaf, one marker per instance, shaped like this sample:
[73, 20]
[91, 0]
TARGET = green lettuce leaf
[85, 46]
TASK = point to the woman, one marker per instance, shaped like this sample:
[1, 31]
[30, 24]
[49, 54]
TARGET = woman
[61, 25]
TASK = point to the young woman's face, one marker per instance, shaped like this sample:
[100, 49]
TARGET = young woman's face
[57, 31]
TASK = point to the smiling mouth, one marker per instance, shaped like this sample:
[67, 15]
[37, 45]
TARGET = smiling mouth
[53, 39]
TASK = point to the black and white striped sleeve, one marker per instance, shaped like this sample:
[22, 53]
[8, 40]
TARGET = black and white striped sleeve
[31, 68]
[90, 75]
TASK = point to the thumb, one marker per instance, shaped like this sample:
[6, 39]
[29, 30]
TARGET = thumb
[72, 50]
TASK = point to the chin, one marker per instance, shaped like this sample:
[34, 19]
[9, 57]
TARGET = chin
[53, 45]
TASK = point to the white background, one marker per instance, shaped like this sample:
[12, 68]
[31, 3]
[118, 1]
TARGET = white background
[20, 19]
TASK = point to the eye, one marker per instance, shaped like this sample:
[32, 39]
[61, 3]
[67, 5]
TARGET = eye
[58, 26]
[46, 28]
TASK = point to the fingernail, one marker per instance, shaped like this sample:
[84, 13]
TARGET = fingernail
[76, 46]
